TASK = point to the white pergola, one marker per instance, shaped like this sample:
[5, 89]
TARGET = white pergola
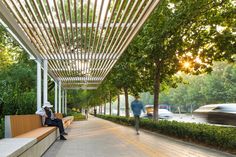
[76, 47]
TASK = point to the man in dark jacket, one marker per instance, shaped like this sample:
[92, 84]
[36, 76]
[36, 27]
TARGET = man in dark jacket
[137, 107]
[50, 120]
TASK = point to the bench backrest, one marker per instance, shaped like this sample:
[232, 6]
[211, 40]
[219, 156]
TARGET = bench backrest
[59, 115]
[18, 124]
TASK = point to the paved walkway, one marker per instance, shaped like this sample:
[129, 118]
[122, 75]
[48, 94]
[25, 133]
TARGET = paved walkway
[100, 138]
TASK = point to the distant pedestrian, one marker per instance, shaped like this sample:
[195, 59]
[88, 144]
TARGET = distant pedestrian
[95, 112]
[86, 114]
[137, 107]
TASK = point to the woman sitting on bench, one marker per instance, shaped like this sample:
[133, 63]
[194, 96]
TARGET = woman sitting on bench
[50, 120]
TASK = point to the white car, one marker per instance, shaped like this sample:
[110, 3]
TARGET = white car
[162, 113]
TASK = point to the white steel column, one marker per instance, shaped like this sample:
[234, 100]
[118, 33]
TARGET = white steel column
[39, 79]
[45, 81]
[65, 101]
[59, 96]
[55, 107]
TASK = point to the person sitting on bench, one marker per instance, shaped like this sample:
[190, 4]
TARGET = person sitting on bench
[50, 120]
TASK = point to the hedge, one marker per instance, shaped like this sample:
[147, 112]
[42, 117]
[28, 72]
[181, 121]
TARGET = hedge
[1, 128]
[223, 138]
[78, 116]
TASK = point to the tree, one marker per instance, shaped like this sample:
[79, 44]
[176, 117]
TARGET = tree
[176, 32]
[216, 87]
[17, 78]
[126, 77]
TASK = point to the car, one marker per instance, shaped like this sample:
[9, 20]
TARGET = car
[162, 113]
[218, 113]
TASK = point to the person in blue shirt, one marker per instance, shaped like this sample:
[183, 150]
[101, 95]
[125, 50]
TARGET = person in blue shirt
[137, 107]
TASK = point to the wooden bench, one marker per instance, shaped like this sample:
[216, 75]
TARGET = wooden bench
[19, 126]
[66, 120]
[32, 138]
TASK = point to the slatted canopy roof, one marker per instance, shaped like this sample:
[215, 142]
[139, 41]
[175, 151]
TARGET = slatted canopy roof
[80, 39]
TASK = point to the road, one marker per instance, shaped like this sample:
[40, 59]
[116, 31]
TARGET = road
[188, 118]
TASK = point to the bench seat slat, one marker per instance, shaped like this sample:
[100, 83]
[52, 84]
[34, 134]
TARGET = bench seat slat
[39, 133]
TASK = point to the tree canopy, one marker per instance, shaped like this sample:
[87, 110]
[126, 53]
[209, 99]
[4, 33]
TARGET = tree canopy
[179, 36]
[216, 87]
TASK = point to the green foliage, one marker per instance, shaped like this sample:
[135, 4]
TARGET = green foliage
[1, 128]
[197, 32]
[126, 75]
[81, 98]
[8, 49]
[223, 138]
[185, 31]
[217, 87]
[18, 94]
[78, 116]
[69, 112]
[17, 78]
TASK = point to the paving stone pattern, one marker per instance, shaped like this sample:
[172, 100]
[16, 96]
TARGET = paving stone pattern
[101, 138]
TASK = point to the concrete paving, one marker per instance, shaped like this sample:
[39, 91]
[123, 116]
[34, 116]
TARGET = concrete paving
[100, 138]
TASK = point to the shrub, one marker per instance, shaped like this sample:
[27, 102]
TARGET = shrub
[1, 128]
[69, 112]
[220, 137]
[78, 116]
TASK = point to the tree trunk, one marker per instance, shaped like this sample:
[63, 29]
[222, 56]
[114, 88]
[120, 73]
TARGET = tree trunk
[126, 102]
[110, 104]
[104, 108]
[95, 111]
[118, 105]
[156, 90]
[99, 108]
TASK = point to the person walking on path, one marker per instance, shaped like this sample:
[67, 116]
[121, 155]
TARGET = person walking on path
[50, 120]
[137, 107]
[86, 113]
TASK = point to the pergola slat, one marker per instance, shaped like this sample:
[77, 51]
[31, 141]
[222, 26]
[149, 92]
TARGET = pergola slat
[144, 15]
[81, 39]
[117, 29]
[38, 30]
[117, 45]
[60, 28]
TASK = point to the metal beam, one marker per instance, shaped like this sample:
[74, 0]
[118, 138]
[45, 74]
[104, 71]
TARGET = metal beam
[90, 69]
[80, 83]
[45, 81]
[81, 88]
[80, 78]
[88, 26]
[84, 56]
